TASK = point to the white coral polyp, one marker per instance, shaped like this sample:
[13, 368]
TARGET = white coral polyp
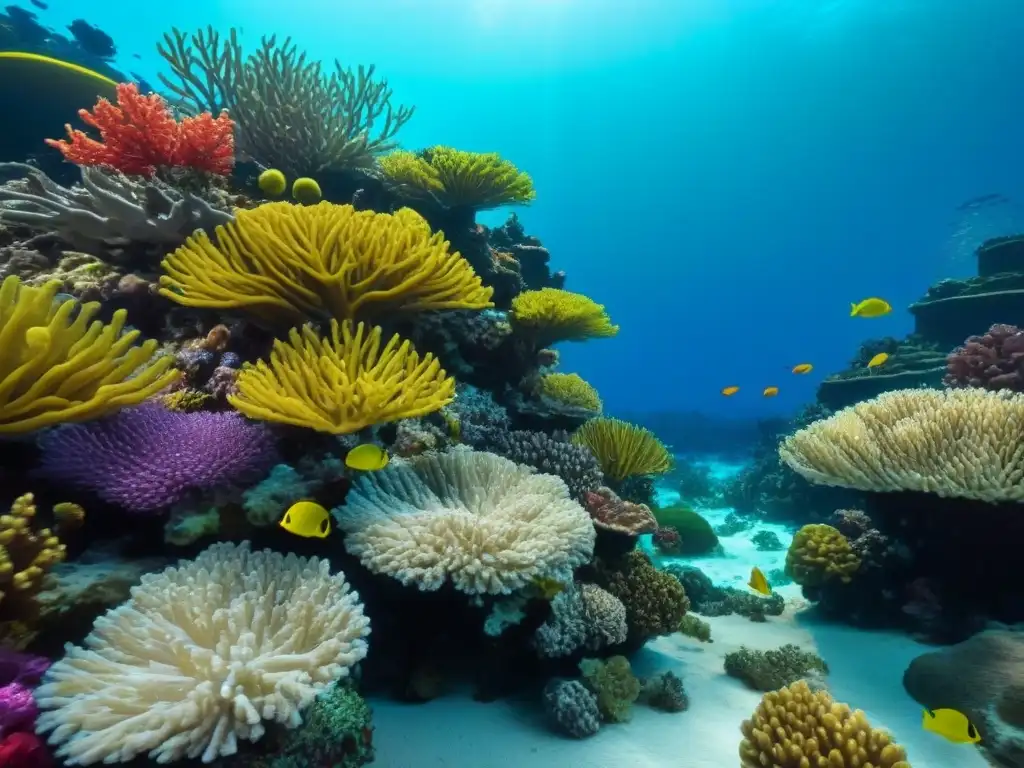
[486, 523]
[201, 655]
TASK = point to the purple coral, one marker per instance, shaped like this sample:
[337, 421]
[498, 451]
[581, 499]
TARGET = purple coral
[994, 360]
[147, 458]
[18, 673]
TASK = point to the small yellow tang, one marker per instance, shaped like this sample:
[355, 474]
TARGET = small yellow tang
[951, 725]
[873, 307]
[878, 359]
[367, 458]
[758, 582]
[730, 391]
[770, 391]
[307, 519]
[803, 368]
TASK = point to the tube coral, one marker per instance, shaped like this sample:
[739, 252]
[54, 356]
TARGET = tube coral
[56, 366]
[342, 383]
[140, 135]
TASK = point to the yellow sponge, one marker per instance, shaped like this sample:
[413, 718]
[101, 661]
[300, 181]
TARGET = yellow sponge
[795, 727]
[819, 553]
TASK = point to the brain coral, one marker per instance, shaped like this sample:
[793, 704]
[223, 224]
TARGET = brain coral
[200, 655]
[819, 553]
[487, 524]
[796, 727]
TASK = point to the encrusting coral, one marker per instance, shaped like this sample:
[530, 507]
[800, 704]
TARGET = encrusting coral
[622, 449]
[58, 366]
[284, 264]
[550, 315]
[341, 383]
[484, 523]
[795, 727]
[200, 655]
[818, 553]
[960, 443]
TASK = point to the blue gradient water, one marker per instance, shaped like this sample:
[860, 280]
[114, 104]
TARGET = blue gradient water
[726, 175]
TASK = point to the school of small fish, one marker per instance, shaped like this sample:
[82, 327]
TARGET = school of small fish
[870, 307]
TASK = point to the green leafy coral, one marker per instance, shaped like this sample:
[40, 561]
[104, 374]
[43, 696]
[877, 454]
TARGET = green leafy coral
[773, 669]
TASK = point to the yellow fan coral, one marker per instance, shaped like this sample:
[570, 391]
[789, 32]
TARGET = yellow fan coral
[456, 178]
[285, 264]
[57, 366]
[200, 656]
[570, 389]
[623, 449]
[961, 443]
[342, 383]
[550, 315]
[819, 553]
[484, 523]
[795, 727]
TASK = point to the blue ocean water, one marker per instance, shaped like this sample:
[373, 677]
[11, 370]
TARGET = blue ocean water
[725, 175]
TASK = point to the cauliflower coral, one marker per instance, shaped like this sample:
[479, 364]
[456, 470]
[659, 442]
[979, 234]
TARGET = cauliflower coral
[200, 656]
[485, 523]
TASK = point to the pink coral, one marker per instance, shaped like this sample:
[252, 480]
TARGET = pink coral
[994, 360]
[618, 515]
[24, 750]
[17, 709]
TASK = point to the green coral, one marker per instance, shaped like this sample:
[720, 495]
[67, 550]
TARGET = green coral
[655, 601]
[695, 627]
[186, 525]
[818, 554]
[774, 669]
[665, 692]
[613, 683]
[696, 536]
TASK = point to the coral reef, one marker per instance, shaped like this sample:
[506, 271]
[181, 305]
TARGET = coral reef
[624, 450]
[796, 726]
[583, 616]
[664, 692]
[572, 708]
[693, 626]
[819, 553]
[775, 668]
[994, 360]
[696, 536]
[613, 684]
[709, 600]
[655, 601]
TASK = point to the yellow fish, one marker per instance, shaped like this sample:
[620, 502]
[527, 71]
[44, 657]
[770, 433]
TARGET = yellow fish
[730, 391]
[758, 582]
[770, 391]
[873, 307]
[367, 458]
[951, 725]
[878, 359]
[803, 368]
[307, 519]
[547, 587]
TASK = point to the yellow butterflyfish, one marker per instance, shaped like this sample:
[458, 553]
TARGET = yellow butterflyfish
[770, 391]
[951, 725]
[803, 368]
[367, 458]
[873, 307]
[307, 519]
[878, 359]
[730, 391]
[758, 582]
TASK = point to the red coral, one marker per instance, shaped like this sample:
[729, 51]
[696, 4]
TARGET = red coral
[139, 135]
[992, 361]
[24, 750]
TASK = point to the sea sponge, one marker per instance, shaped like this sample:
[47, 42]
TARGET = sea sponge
[570, 389]
[200, 655]
[960, 443]
[614, 684]
[342, 383]
[58, 366]
[818, 553]
[655, 601]
[456, 178]
[284, 264]
[795, 727]
[624, 450]
[775, 668]
[486, 524]
[550, 315]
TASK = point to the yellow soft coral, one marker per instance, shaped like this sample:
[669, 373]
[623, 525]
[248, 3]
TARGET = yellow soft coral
[285, 264]
[26, 556]
[342, 383]
[550, 315]
[623, 449]
[795, 727]
[570, 389]
[57, 366]
[819, 553]
[456, 178]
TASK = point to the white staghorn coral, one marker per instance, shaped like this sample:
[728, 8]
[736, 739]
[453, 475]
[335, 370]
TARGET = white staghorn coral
[200, 656]
[486, 523]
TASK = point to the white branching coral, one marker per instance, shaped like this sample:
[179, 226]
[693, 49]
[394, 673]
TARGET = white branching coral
[485, 523]
[201, 655]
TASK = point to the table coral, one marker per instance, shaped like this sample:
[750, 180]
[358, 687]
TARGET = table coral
[796, 727]
[818, 553]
